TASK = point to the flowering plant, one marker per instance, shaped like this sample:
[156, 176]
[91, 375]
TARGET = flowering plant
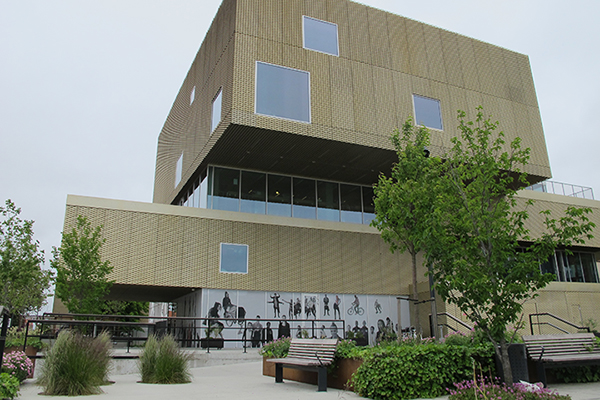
[17, 364]
[483, 389]
[278, 348]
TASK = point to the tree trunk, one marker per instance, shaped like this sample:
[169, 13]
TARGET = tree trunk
[505, 361]
[415, 294]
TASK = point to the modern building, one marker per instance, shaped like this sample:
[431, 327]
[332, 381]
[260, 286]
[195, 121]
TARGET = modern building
[265, 165]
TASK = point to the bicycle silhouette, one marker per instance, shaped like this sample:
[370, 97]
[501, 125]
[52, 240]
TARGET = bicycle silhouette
[356, 309]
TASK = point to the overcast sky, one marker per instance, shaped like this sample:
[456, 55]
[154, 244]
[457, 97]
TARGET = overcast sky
[85, 87]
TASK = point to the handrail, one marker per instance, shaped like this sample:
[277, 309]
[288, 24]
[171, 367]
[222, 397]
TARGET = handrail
[564, 321]
[193, 331]
[453, 318]
[448, 326]
[554, 326]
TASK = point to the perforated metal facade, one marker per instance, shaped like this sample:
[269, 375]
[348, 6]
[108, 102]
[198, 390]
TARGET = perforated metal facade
[357, 98]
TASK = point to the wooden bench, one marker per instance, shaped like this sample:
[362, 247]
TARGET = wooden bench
[310, 355]
[554, 351]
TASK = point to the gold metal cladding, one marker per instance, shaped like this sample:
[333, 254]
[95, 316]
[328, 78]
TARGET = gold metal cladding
[357, 98]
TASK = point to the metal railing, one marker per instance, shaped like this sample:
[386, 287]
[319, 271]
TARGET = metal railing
[5, 315]
[190, 332]
[564, 189]
[557, 318]
[453, 318]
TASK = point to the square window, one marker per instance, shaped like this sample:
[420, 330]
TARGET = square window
[216, 111]
[320, 35]
[282, 92]
[178, 169]
[234, 258]
[193, 95]
[427, 112]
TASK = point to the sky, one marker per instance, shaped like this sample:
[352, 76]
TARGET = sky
[85, 88]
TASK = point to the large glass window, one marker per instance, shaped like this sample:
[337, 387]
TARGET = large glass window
[280, 195]
[368, 205]
[320, 35]
[576, 267]
[328, 201]
[282, 92]
[203, 190]
[226, 189]
[255, 192]
[178, 169]
[588, 264]
[549, 267]
[304, 198]
[216, 110]
[234, 258]
[351, 203]
[253, 199]
[427, 112]
[196, 194]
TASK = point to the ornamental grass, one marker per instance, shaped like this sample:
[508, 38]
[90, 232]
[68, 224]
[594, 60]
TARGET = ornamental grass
[162, 361]
[76, 365]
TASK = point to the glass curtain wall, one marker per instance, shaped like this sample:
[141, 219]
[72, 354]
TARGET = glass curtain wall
[576, 267]
[253, 196]
[304, 198]
[351, 207]
[255, 192]
[279, 200]
[328, 201]
[226, 189]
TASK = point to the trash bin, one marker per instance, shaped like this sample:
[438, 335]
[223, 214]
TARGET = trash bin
[517, 354]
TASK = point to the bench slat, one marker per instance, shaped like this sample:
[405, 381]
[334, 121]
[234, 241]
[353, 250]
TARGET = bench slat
[313, 354]
[552, 350]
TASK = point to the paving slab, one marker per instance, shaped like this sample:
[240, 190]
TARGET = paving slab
[234, 381]
[245, 381]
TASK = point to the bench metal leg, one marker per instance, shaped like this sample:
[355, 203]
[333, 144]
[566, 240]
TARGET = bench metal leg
[278, 373]
[322, 379]
[541, 373]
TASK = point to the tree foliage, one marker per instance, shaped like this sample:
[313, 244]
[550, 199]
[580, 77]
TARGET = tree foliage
[121, 307]
[22, 279]
[82, 276]
[483, 258]
[401, 214]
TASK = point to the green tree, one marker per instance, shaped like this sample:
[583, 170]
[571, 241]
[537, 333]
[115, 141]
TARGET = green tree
[22, 279]
[401, 200]
[484, 259]
[121, 307]
[82, 276]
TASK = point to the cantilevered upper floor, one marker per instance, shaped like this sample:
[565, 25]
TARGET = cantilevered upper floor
[314, 88]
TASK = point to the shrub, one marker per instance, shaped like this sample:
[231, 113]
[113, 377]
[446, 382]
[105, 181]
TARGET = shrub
[349, 349]
[482, 389]
[458, 339]
[9, 386]
[15, 337]
[162, 361]
[76, 365]
[411, 370]
[578, 374]
[17, 364]
[278, 348]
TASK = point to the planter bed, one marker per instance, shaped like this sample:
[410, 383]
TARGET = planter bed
[337, 380]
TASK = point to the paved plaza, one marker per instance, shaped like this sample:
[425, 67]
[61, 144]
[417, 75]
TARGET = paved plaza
[245, 381]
